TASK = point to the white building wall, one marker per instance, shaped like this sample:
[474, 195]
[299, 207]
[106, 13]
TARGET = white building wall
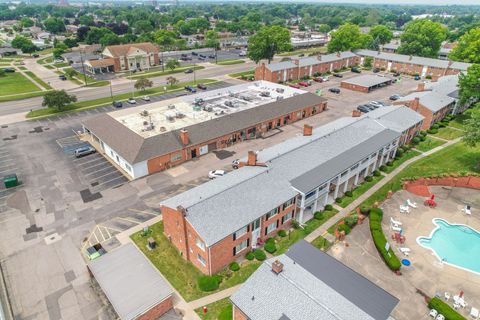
[134, 171]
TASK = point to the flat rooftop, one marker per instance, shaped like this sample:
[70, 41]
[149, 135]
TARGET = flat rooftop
[169, 115]
[367, 80]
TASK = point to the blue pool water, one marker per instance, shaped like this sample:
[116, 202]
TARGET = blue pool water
[455, 244]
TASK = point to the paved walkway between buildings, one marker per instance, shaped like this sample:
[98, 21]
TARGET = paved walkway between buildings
[213, 297]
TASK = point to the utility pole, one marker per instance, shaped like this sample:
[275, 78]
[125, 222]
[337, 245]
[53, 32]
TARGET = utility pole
[111, 90]
[194, 78]
[83, 68]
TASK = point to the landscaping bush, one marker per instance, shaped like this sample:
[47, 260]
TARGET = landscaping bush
[389, 163]
[270, 247]
[368, 178]
[317, 74]
[282, 233]
[349, 193]
[442, 125]
[415, 140]
[351, 220]
[435, 126]
[338, 200]
[208, 283]
[345, 228]
[260, 255]
[432, 131]
[318, 215]
[399, 153]
[250, 256]
[379, 239]
[429, 77]
[445, 309]
[422, 138]
[328, 207]
[270, 240]
[377, 173]
[234, 266]
[365, 210]
[422, 133]
[295, 224]
[383, 168]
[408, 147]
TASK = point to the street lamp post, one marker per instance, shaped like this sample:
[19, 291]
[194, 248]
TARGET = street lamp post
[83, 68]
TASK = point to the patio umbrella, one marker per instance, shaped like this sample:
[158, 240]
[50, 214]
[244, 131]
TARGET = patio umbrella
[461, 294]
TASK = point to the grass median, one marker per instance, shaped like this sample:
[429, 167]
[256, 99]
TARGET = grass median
[230, 62]
[38, 80]
[15, 84]
[100, 102]
[158, 73]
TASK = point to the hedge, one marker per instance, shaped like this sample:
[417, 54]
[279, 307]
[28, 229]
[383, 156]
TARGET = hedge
[351, 220]
[380, 240]
[270, 247]
[377, 173]
[444, 309]
[234, 266]
[348, 193]
[345, 228]
[250, 256]
[208, 283]
[318, 215]
[260, 255]
[282, 233]
[383, 168]
[328, 207]
[368, 178]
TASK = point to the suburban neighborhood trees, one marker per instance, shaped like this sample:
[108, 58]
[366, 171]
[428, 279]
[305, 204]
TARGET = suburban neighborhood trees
[171, 81]
[422, 37]
[468, 47]
[469, 84]
[472, 128]
[54, 25]
[267, 42]
[143, 83]
[172, 64]
[24, 44]
[58, 99]
[348, 37]
[381, 34]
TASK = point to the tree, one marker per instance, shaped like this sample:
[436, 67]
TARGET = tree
[469, 84]
[54, 25]
[70, 42]
[165, 39]
[381, 34]
[109, 39]
[348, 37]
[211, 39]
[26, 22]
[367, 62]
[82, 33]
[142, 26]
[472, 128]
[172, 64]
[267, 42]
[86, 20]
[24, 44]
[171, 81]
[422, 37]
[468, 47]
[143, 83]
[70, 72]
[58, 99]
[95, 34]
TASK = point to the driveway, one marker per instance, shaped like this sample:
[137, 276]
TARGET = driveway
[48, 76]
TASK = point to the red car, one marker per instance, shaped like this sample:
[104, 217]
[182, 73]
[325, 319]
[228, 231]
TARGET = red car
[304, 84]
[318, 79]
[296, 86]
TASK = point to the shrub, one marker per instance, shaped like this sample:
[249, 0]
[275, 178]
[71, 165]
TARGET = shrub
[423, 138]
[270, 247]
[383, 168]
[260, 255]
[364, 210]
[234, 266]
[435, 126]
[338, 200]
[295, 224]
[208, 283]
[368, 178]
[377, 173]
[349, 193]
[445, 309]
[351, 220]
[318, 215]
[282, 233]
[423, 133]
[442, 125]
[379, 239]
[344, 227]
[400, 153]
[432, 131]
[408, 147]
[250, 256]
[317, 74]
[328, 207]
[416, 140]
[389, 163]
[270, 240]
[428, 77]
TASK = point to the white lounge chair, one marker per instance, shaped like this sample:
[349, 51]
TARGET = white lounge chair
[467, 210]
[404, 209]
[395, 222]
[396, 228]
[411, 204]
[440, 317]
[456, 306]
[474, 313]
[433, 313]
[404, 250]
[447, 296]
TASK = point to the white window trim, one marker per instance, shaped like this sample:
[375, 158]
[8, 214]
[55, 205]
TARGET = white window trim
[274, 224]
[204, 263]
[246, 246]
[240, 235]
[290, 215]
[202, 246]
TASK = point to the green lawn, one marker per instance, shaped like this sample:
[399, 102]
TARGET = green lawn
[38, 80]
[448, 133]
[22, 68]
[322, 243]
[61, 65]
[181, 274]
[429, 144]
[357, 192]
[317, 50]
[219, 310]
[458, 122]
[243, 73]
[45, 60]
[456, 159]
[156, 73]
[230, 62]
[15, 84]
[22, 96]
[297, 234]
[397, 162]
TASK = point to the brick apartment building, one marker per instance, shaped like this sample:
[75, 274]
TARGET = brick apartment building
[219, 221]
[125, 57]
[308, 66]
[168, 133]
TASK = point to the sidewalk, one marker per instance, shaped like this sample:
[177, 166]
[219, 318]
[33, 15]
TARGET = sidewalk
[344, 212]
[213, 297]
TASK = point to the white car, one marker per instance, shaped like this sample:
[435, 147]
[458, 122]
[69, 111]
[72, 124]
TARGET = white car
[216, 173]
[242, 54]
[376, 103]
[146, 98]
[235, 164]
[325, 79]
[131, 101]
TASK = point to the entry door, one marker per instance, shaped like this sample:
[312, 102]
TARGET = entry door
[255, 232]
[193, 153]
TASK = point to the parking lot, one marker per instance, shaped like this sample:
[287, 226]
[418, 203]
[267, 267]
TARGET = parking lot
[8, 166]
[209, 55]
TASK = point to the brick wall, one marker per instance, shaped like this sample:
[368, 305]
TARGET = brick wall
[238, 314]
[470, 182]
[353, 87]
[430, 117]
[157, 311]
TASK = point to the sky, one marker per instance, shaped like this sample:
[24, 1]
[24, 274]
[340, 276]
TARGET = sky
[418, 2]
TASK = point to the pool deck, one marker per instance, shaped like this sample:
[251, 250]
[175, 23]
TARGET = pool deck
[426, 273]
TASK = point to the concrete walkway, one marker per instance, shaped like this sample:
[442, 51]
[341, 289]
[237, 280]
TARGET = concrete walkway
[322, 230]
[213, 297]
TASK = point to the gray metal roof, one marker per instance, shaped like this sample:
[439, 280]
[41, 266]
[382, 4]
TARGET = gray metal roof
[436, 63]
[391, 46]
[130, 282]
[368, 80]
[314, 286]
[432, 100]
[134, 148]
[309, 61]
[398, 118]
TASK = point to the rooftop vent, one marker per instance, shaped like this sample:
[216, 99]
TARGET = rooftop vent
[171, 106]
[280, 90]
[144, 113]
[179, 115]
[163, 129]
[265, 94]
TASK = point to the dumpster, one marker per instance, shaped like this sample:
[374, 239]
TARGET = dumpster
[10, 181]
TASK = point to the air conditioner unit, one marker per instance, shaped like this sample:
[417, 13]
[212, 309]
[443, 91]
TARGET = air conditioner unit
[171, 106]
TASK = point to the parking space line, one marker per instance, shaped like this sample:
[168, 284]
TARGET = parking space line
[114, 229]
[121, 176]
[96, 171]
[140, 211]
[104, 174]
[129, 220]
[101, 233]
[8, 170]
[87, 169]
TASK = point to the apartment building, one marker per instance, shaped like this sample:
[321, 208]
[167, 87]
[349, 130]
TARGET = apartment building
[221, 220]
[298, 68]
[167, 133]
[306, 283]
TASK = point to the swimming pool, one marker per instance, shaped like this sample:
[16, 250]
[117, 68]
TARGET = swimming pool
[455, 244]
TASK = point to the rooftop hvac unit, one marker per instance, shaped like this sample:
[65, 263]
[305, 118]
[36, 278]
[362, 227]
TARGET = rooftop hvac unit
[279, 98]
[179, 115]
[144, 113]
[163, 129]
[171, 106]
[170, 116]
[264, 94]
[208, 108]
[280, 90]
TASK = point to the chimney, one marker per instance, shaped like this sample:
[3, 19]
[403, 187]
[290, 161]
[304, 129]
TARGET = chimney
[184, 137]
[252, 158]
[307, 130]
[296, 61]
[421, 87]
[356, 113]
[416, 103]
[277, 266]
[338, 54]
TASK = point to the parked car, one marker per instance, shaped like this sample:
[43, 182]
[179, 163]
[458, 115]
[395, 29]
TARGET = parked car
[301, 55]
[202, 56]
[62, 77]
[84, 151]
[146, 98]
[117, 104]
[396, 74]
[189, 71]
[187, 58]
[338, 75]
[194, 53]
[318, 79]
[296, 86]
[376, 103]
[371, 106]
[211, 56]
[131, 101]
[395, 97]
[184, 55]
[334, 90]
[417, 77]
[363, 109]
[303, 84]
[201, 86]
[216, 173]
[325, 78]
[190, 89]
[35, 55]
[356, 70]
[235, 164]
[376, 70]
[242, 54]
[9, 70]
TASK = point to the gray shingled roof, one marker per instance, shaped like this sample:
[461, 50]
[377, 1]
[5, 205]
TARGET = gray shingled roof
[367, 80]
[398, 118]
[432, 100]
[130, 282]
[134, 148]
[312, 285]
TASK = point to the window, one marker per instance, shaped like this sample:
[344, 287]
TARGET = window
[287, 217]
[354, 167]
[128, 167]
[240, 232]
[288, 203]
[175, 157]
[310, 194]
[241, 246]
[201, 259]
[344, 173]
[118, 159]
[270, 228]
[271, 213]
[200, 244]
